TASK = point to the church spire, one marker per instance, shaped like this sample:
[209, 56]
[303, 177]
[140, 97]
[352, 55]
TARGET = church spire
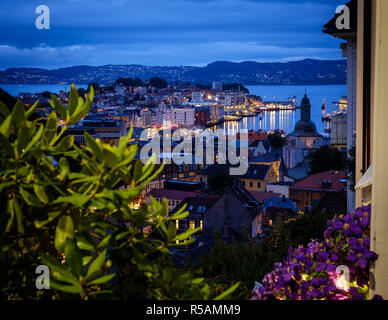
[305, 108]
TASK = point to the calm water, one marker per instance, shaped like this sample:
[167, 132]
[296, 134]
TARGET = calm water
[15, 89]
[286, 120]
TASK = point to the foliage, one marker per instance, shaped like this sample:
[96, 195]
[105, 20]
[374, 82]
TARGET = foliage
[311, 272]
[219, 181]
[250, 259]
[326, 158]
[157, 82]
[276, 141]
[235, 87]
[129, 82]
[80, 223]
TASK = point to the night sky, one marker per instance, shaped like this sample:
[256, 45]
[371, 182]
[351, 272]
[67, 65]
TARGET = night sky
[165, 32]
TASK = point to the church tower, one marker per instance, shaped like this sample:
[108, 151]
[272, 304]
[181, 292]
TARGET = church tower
[305, 109]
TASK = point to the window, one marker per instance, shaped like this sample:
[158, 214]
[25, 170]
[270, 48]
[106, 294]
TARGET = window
[251, 184]
[259, 185]
[192, 224]
[201, 225]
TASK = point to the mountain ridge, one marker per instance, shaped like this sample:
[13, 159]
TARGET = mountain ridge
[307, 71]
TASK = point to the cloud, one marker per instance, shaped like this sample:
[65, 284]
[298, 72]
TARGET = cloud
[166, 32]
[199, 54]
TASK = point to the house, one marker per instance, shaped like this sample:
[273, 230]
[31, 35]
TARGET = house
[272, 158]
[197, 207]
[258, 147]
[174, 197]
[260, 196]
[255, 179]
[314, 187]
[232, 214]
[272, 209]
[281, 187]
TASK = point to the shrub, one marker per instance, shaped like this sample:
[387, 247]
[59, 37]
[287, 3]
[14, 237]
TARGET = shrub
[311, 272]
[79, 222]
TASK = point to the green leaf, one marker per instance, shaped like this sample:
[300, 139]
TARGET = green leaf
[95, 266]
[75, 288]
[50, 129]
[18, 214]
[35, 139]
[81, 111]
[73, 257]
[10, 210]
[58, 106]
[138, 171]
[64, 230]
[186, 234]
[57, 270]
[77, 199]
[83, 244]
[226, 294]
[23, 137]
[5, 128]
[73, 99]
[18, 113]
[5, 145]
[51, 216]
[102, 279]
[4, 110]
[64, 145]
[41, 193]
[32, 109]
[104, 241]
[93, 147]
[29, 198]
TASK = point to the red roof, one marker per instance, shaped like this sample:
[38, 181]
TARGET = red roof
[329, 180]
[260, 196]
[178, 194]
[172, 194]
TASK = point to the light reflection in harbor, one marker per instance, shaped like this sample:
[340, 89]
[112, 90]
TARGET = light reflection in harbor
[271, 120]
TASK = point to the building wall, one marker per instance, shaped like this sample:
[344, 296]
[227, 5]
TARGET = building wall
[227, 208]
[379, 224]
[276, 188]
[338, 136]
[303, 198]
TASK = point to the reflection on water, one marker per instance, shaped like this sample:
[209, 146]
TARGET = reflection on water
[271, 120]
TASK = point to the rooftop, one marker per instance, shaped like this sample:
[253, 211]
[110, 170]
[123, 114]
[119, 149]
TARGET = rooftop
[329, 180]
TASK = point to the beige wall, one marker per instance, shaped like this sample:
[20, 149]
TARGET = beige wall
[379, 226]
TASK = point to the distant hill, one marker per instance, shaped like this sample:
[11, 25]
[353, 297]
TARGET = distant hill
[304, 72]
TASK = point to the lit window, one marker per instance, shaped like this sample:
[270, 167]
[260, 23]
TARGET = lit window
[201, 225]
[192, 224]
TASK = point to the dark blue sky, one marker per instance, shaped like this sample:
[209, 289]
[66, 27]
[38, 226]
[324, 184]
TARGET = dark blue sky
[165, 32]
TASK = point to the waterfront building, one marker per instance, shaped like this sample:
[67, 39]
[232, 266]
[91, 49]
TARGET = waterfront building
[338, 134]
[217, 85]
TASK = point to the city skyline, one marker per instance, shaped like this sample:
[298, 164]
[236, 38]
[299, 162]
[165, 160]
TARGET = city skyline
[185, 32]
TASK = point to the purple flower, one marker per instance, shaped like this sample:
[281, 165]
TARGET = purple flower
[338, 225]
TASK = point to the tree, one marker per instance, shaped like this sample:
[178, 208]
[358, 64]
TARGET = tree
[157, 82]
[219, 181]
[249, 260]
[80, 223]
[276, 141]
[326, 158]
